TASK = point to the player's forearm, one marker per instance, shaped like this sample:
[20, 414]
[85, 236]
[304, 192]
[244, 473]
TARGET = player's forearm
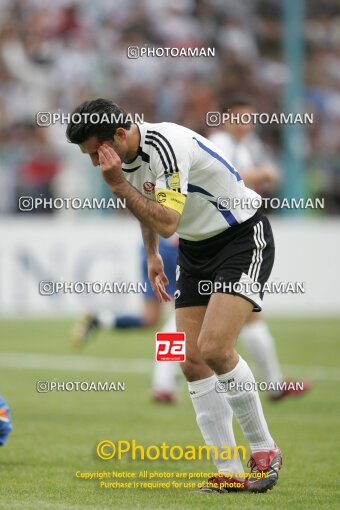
[161, 219]
[150, 240]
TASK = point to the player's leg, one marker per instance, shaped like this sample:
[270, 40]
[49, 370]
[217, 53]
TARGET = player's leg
[89, 323]
[165, 373]
[213, 413]
[152, 309]
[260, 344]
[107, 319]
[151, 315]
[245, 258]
[224, 318]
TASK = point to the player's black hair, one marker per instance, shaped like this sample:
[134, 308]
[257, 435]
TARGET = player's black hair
[238, 100]
[99, 117]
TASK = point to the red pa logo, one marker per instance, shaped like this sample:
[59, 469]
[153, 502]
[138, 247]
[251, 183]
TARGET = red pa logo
[170, 346]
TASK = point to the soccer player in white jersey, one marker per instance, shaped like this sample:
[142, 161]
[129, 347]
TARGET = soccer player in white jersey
[247, 153]
[222, 247]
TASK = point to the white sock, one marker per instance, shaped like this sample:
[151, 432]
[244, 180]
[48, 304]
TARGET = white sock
[214, 418]
[165, 373]
[260, 345]
[106, 319]
[247, 407]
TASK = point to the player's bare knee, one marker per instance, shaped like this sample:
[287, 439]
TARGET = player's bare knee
[194, 369]
[209, 353]
[209, 346]
[214, 353]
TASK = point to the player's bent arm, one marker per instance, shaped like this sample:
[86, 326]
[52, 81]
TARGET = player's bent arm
[156, 273]
[161, 219]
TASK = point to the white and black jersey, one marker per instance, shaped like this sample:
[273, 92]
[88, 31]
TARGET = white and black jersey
[188, 173]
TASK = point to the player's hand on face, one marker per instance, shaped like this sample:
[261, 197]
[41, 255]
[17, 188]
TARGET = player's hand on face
[110, 164]
[158, 278]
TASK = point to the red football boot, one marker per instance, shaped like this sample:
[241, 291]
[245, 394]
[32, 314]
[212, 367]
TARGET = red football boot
[264, 470]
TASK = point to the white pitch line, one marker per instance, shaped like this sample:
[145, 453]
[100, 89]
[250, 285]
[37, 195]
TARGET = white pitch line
[131, 365]
[74, 363]
[316, 373]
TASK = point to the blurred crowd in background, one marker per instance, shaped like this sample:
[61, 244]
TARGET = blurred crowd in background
[54, 55]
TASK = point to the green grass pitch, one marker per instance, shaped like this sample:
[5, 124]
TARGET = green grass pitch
[55, 434]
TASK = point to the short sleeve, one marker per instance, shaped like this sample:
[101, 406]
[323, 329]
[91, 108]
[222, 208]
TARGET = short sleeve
[170, 161]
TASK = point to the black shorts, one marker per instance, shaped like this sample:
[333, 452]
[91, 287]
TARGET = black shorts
[238, 261]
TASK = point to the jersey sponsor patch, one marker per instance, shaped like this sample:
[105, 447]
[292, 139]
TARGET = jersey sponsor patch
[148, 187]
[171, 199]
